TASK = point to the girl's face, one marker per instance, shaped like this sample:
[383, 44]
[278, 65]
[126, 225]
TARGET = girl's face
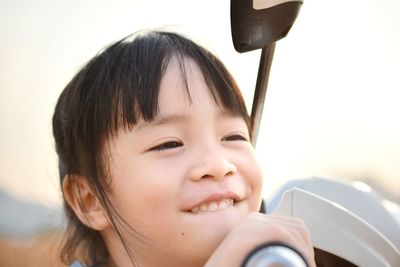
[183, 180]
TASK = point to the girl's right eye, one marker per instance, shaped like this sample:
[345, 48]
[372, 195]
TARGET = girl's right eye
[166, 146]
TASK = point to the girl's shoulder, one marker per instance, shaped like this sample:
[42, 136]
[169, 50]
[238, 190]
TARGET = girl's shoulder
[77, 264]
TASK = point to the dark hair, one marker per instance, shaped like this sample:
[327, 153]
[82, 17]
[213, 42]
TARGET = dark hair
[116, 88]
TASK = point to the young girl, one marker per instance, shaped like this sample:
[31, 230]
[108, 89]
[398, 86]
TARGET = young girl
[156, 164]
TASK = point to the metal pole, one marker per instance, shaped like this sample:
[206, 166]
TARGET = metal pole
[264, 68]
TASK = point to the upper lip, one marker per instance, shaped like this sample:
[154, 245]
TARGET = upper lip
[215, 197]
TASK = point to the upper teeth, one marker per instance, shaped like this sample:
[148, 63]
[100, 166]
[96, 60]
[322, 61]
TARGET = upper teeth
[213, 206]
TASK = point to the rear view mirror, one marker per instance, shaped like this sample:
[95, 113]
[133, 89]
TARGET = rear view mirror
[259, 24]
[256, 24]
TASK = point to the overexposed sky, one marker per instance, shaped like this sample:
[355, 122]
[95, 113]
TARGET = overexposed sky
[332, 103]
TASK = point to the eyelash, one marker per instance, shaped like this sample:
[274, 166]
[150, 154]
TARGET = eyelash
[176, 144]
[166, 146]
[234, 137]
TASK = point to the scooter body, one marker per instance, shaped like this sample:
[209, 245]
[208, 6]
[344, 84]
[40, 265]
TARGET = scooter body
[347, 228]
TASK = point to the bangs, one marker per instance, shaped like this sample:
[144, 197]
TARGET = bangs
[129, 74]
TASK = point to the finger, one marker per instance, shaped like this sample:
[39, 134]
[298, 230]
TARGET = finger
[290, 230]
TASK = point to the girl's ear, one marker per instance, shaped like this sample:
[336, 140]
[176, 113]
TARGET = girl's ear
[84, 202]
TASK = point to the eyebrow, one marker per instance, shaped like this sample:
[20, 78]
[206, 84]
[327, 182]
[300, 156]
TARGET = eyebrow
[162, 120]
[169, 119]
[182, 118]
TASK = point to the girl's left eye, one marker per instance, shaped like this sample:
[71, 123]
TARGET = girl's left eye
[167, 145]
[234, 137]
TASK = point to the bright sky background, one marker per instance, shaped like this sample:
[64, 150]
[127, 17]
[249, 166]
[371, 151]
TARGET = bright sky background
[332, 105]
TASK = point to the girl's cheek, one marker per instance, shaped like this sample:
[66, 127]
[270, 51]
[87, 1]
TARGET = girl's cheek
[256, 176]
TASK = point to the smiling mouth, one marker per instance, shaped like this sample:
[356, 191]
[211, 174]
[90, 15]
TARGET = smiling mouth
[213, 206]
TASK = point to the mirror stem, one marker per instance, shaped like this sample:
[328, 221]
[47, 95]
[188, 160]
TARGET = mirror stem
[264, 68]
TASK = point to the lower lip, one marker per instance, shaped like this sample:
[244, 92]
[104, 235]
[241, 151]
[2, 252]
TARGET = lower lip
[230, 208]
[219, 221]
[209, 212]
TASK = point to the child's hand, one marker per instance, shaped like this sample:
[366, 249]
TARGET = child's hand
[258, 229]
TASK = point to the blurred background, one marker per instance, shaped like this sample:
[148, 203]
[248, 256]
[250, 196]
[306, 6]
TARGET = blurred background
[332, 107]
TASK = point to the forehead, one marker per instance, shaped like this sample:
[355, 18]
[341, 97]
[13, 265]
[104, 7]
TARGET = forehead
[183, 85]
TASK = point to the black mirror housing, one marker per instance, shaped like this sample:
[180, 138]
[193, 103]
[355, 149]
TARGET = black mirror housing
[258, 28]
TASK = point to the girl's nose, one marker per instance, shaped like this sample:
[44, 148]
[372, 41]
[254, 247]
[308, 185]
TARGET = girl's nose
[212, 164]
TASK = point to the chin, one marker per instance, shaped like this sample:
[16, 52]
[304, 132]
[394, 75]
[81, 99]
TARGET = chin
[211, 228]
